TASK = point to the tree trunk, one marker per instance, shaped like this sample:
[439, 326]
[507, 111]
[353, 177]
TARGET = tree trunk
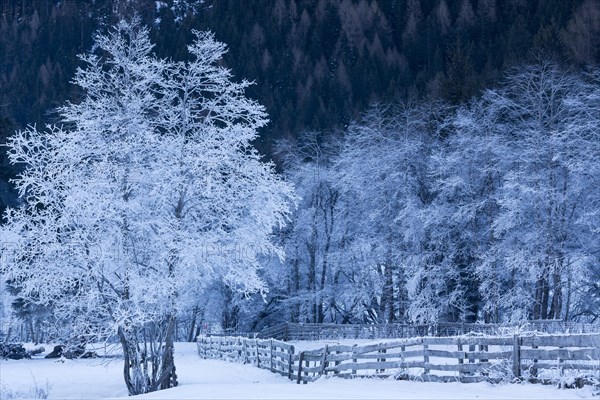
[151, 367]
[545, 297]
[190, 337]
[168, 377]
[312, 284]
[31, 330]
[537, 305]
[387, 311]
[132, 363]
[296, 278]
[556, 305]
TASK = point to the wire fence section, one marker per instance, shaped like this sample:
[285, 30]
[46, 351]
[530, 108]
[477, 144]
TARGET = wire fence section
[13, 330]
[472, 358]
[308, 331]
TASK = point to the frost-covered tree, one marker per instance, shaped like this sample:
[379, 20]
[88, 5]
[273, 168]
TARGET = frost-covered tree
[384, 188]
[312, 238]
[584, 145]
[466, 171]
[510, 232]
[147, 191]
[542, 249]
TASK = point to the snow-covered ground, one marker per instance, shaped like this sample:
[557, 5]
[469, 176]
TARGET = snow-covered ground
[213, 379]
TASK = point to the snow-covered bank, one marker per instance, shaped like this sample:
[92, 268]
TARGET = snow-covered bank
[220, 380]
[214, 379]
[65, 379]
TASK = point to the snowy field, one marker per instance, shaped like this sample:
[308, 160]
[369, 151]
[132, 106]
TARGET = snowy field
[213, 379]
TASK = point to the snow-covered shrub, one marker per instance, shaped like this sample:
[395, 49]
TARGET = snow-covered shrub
[13, 351]
[32, 392]
[501, 372]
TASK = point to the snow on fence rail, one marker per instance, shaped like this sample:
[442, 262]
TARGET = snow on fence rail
[536, 358]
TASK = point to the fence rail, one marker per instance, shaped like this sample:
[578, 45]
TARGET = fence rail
[464, 359]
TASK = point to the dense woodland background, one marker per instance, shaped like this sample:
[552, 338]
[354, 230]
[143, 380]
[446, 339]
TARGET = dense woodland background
[317, 64]
[327, 70]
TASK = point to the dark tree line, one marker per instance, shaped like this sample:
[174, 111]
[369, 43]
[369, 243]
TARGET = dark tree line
[317, 63]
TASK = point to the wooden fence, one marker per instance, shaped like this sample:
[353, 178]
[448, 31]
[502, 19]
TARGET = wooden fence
[475, 358]
[271, 354]
[309, 331]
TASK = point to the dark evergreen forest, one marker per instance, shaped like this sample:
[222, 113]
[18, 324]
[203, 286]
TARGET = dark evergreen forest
[317, 63]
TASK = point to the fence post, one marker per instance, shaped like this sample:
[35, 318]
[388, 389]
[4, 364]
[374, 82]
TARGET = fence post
[381, 351]
[290, 362]
[425, 358]
[300, 360]
[561, 364]
[534, 370]
[307, 365]
[354, 359]
[245, 350]
[271, 355]
[516, 357]
[336, 363]
[324, 361]
[483, 348]
[472, 348]
[460, 360]
[257, 354]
